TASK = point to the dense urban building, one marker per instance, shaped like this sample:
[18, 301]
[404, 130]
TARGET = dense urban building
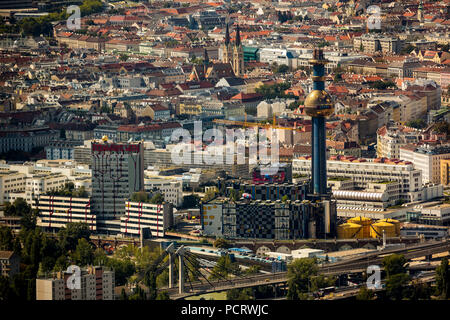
[117, 172]
[97, 283]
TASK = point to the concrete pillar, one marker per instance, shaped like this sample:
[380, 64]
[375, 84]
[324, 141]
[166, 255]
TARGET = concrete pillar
[171, 270]
[181, 275]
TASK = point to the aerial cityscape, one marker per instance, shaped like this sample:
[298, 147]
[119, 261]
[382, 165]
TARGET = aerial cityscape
[225, 150]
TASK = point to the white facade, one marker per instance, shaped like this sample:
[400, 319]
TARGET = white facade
[427, 162]
[363, 173]
[55, 212]
[171, 188]
[42, 183]
[138, 215]
[275, 55]
[11, 182]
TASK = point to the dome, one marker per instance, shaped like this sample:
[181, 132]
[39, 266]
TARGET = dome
[318, 103]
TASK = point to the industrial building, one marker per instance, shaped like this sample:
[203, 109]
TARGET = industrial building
[365, 171]
[268, 191]
[268, 219]
[365, 228]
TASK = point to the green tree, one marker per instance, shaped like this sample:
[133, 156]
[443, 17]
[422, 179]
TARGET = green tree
[321, 281]
[123, 268]
[443, 279]
[140, 196]
[282, 69]
[158, 198]
[365, 294]
[68, 237]
[191, 201]
[61, 263]
[6, 293]
[123, 57]
[396, 286]
[394, 264]
[100, 257]
[273, 91]
[223, 268]
[240, 294]
[139, 294]
[221, 243]
[300, 272]
[6, 239]
[209, 195]
[420, 291]
[123, 295]
[418, 123]
[163, 296]
[84, 253]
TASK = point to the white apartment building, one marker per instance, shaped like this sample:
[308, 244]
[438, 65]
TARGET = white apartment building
[391, 138]
[409, 107]
[55, 212]
[141, 215]
[426, 159]
[276, 55]
[29, 180]
[171, 188]
[38, 184]
[97, 283]
[365, 171]
[11, 182]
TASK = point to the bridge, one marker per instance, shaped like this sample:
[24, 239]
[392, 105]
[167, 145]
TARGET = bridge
[354, 265]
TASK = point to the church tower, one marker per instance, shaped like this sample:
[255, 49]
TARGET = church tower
[227, 53]
[205, 61]
[420, 12]
[238, 55]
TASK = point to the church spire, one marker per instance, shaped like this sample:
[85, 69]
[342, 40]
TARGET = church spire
[238, 37]
[205, 61]
[227, 36]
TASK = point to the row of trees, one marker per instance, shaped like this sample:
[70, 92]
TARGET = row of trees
[43, 25]
[145, 197]
[69, 190]
[274, 91]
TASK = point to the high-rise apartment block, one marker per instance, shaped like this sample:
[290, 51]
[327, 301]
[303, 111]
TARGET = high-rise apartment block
[117, 172]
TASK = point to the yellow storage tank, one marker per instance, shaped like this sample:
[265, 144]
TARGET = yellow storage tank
[396, 223]
[376, 230]
[364, 223]
[349, 231]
